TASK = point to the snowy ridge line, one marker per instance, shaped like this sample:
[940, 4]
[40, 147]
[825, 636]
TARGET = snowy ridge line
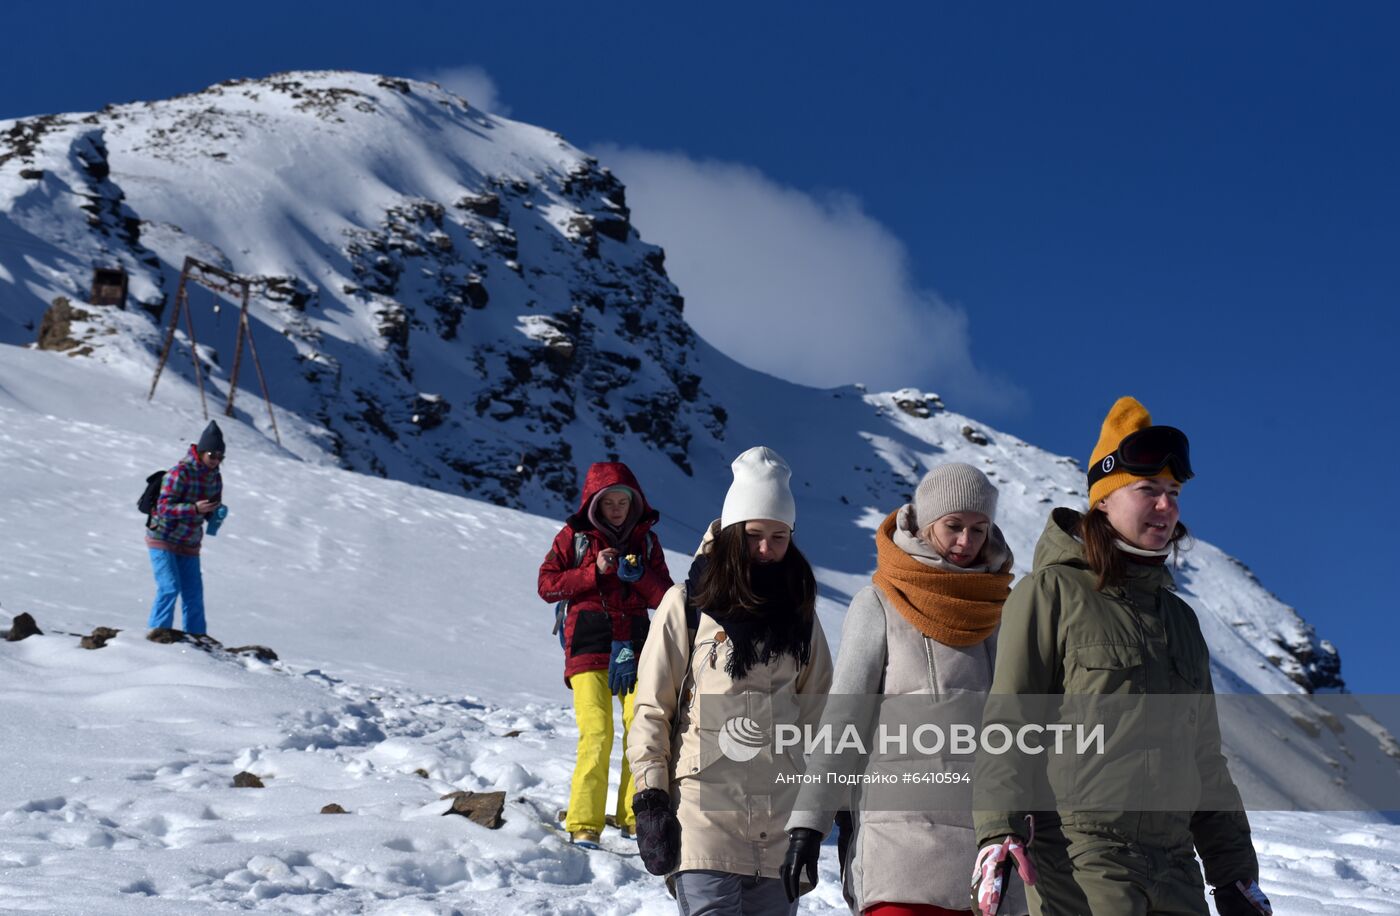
[462, 303]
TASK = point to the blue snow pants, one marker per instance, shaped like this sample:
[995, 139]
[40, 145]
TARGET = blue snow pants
[177, 576]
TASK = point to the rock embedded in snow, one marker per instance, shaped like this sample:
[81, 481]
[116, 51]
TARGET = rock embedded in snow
[246, 780]
[56, 328]
[974, 436]
[22, 627]
[261, 653]
[98, 638]
[482, 808]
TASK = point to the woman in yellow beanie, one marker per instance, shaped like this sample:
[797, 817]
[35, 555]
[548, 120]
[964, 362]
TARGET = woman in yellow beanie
[1096, 617]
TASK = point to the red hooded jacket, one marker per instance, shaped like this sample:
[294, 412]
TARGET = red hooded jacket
[602, 607]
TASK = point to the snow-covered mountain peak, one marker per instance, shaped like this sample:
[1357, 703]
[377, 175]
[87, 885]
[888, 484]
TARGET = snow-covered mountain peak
[445, 291]
[459, 301]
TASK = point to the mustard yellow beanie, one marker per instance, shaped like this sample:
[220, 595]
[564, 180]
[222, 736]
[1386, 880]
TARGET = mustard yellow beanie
[1125, 417]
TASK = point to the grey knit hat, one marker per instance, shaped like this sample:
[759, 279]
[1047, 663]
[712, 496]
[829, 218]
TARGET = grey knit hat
[954, 487]
[211, 440]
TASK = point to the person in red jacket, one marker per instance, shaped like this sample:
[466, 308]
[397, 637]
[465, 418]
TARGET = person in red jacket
[609, 567]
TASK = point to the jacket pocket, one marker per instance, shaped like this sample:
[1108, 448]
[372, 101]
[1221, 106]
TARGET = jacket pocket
[1106, 668]
[698, 749]
[1187, 674]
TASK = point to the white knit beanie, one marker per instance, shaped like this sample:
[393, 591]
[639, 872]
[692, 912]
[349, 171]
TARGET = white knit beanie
[760, 489]
[954, 487]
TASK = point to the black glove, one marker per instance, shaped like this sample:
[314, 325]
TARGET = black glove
[658, 831]
[1242, 898]
[804, 848]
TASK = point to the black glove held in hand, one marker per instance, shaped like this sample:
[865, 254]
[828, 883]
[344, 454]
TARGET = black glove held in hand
[804, 848]
[1242, 898]
[658, 831]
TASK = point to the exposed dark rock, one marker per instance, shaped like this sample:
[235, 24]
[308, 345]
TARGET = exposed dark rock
[424, 774]
[613, 226]
[22, 627]
[487, 204]
[246, 780]
[31, 174]
[333, 808]
[56, 327]
[22, 139]
[914, 403]
[484, 808]
[506, 241]
[261, 653]
[475, 292]
[1318, 666]
[429, 410]
[584, 231]
[373, 415]
[973, 436]
[292, 290]
[98, 638]
[391, 321]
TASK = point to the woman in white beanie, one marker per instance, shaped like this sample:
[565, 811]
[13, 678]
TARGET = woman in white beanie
[744, 622]
[926, 626]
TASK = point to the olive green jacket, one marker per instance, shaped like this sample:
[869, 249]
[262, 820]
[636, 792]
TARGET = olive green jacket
[1061, 636]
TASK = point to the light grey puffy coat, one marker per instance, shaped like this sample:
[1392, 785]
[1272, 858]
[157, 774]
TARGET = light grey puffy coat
[909, 856]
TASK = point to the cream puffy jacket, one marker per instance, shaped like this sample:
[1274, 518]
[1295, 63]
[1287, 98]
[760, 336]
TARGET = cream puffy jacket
[723, 828]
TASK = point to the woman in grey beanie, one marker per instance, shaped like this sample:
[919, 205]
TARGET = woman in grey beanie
[927, 625]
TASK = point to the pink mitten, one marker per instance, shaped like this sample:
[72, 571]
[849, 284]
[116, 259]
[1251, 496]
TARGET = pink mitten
[994, 862]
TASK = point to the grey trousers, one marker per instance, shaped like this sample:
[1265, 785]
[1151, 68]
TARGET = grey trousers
[719, 893]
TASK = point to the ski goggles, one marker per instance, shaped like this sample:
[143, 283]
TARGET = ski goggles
[1146, 453]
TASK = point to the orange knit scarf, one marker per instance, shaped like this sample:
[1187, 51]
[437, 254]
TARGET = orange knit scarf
[955, 608]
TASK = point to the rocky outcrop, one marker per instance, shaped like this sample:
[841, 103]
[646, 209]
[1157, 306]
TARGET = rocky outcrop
[56, 331]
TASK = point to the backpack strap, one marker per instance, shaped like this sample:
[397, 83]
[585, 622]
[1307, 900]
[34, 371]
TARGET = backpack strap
[561, 608]
[580, 547]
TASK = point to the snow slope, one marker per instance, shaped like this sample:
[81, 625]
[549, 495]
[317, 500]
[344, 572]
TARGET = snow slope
[410, 638]
[455, 302]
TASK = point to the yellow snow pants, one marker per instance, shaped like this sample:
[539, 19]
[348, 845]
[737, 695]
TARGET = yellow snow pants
[588, 792]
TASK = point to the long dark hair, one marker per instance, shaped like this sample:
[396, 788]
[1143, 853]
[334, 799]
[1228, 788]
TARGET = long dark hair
[1103, 555]
[726, 585]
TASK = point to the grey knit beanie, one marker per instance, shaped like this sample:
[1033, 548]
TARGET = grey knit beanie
[953, 487]
[211, 440]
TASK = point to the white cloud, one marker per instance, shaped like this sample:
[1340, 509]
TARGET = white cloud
[471, 83]
[808, 288]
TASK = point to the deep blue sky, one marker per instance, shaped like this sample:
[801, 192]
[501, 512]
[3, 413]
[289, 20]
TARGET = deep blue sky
[1194, 204]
